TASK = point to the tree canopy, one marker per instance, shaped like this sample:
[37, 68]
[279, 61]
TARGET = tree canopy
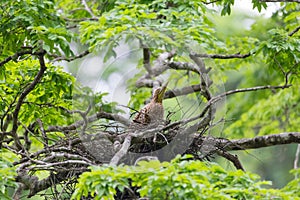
[233, 85]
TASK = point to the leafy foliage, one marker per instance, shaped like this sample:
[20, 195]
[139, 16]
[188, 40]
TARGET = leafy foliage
[7, 171]
[179, 179]
[21, 25]
[158, 24]
[53, 112]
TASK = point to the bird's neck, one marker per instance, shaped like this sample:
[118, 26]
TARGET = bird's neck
[155, 100]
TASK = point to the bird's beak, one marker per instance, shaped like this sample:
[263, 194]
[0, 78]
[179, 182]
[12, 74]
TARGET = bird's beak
[163, 90]
[164, 87]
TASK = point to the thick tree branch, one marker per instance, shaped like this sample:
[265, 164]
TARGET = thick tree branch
[251, 143]
[262, 141]
[208, 145]
[182, 91]
[182, 66]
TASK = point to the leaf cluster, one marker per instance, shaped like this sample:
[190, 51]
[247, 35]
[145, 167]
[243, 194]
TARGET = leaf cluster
[179, 179]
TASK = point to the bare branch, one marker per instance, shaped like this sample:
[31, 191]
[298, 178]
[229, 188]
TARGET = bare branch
[146, 60]
[49, 165]
[297, 156]
[182, 91]
[294, 31]
[266, 87]
[232, 158]
[45, 138]
[297, 1]
[87, 8]
[221, 56]
[209, 2]
[95, 117]
[197, 88]
[261, 141]
[123, 151]
[183, 66]
[35, 185]
[15, 56]
[63, 58]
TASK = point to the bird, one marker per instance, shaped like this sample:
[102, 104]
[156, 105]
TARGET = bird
[153, 112]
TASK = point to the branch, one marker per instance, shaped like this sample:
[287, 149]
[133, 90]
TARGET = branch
[232, 158]
[146, 60]
[221, 56]
[35, 185]
[297, 1]
[182, 91]
[23, 95]
[259, 141]
[209, 145]
[266, 87]
[197, 88]
[297, 156]
[15, 56]
[44, 135]
[90, 119]
[63, 58]
[183, 66]
[294, 31]
[87, 8]
[123, 151]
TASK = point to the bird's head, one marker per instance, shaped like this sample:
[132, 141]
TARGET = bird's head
[159, 93]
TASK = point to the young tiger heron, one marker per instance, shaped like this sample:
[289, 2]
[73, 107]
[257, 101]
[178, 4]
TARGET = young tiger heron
[153, 112]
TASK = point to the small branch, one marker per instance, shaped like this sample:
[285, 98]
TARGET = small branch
[221, 56]
[63, 58]
[35, 185]
[267, 87]
[46, 142]
[90, 119]
[297, 155]
[48, 165]
[123, 151]
[15, 56]
[38, 153]
[294, 31]
[297, 1]
[146, 61]
[87, 8]
[232, 158]
[197, 88]
[210, 2]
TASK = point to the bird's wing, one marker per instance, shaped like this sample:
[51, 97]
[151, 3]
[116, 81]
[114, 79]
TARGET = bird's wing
[142, 117]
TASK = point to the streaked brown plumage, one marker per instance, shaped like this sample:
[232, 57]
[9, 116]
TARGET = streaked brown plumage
[153, 112]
